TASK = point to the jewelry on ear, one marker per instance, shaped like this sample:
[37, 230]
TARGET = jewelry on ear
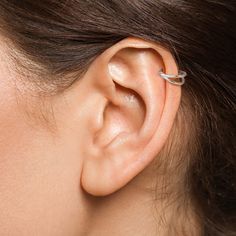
[171, 78]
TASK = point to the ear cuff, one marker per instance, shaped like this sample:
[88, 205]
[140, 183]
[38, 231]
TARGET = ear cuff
[174, 79]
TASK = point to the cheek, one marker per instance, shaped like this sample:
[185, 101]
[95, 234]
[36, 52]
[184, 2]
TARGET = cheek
[15, 133]
[39, 172]
[13, 129]
[39, 175]
[39, 180]
[10, 118]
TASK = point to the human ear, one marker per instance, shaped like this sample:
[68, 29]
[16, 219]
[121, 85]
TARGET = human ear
[134, 114]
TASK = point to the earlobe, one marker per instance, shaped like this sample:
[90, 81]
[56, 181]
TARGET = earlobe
[138, 116]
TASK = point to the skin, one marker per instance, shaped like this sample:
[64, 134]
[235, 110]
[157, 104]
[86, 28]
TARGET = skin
[81, 162]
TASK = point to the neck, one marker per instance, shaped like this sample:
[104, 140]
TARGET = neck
[138, 210]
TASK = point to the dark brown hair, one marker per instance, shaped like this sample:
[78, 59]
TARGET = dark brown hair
[63, 37]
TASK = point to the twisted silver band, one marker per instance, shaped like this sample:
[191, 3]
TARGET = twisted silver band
[169, 78]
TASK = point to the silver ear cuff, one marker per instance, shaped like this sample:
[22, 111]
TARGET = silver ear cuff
[171, 78]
